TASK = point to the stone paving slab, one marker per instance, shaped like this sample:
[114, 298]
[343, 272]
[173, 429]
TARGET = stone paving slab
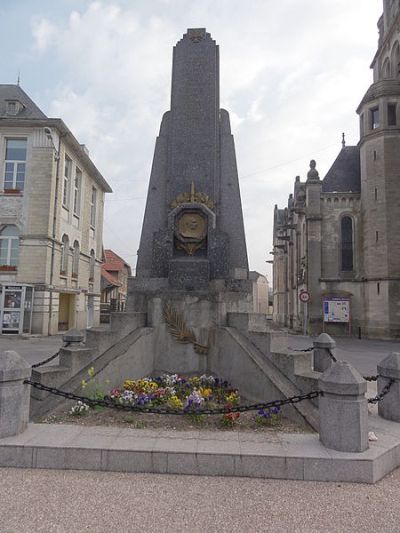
[231, 453]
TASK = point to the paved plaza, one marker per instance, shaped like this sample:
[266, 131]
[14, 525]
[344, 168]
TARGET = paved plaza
[364, 354]
[72, 502]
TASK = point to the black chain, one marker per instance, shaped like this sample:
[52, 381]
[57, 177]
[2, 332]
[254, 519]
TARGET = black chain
[370, 378]
[383, 393]
[108, 402]
[310, 349]
[36, 365]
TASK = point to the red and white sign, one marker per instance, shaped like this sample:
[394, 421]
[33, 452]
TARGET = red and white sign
[304, 296]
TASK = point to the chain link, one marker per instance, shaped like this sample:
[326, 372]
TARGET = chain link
[108, 402]
[370, 378]
[383, 392]
[36, 365]
[310, 349]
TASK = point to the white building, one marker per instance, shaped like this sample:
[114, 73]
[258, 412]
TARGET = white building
[51, 222]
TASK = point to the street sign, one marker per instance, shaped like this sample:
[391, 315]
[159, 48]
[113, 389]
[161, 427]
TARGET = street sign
[304, 296]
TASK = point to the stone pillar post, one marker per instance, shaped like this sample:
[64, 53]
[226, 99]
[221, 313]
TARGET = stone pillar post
[314, 244]
[323, 344]
[73, 337]
[14, 395]
[389, 406]
[343, 409]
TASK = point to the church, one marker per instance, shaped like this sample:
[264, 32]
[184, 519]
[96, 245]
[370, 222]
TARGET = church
[336, 246]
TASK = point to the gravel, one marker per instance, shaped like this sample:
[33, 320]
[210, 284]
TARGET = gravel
[71, 501]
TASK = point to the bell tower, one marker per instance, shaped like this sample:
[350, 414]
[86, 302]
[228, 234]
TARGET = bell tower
[379, 113]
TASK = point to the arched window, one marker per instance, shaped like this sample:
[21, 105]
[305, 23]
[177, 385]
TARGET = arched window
[346, 231]
[64, 255]
[91, 265]
[9, 246]
[395, 60]
[75, 260]
[386, 71]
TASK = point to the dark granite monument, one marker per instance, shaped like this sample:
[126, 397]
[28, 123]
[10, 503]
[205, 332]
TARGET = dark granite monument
[193, 225]
[192, 268]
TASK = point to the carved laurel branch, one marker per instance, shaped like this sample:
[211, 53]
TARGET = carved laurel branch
[178, 329]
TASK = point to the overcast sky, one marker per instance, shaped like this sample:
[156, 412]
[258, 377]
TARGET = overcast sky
[292, 75]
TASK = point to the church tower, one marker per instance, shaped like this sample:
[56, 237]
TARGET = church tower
[379, 113]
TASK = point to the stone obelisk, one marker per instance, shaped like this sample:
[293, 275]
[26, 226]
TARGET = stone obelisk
[193, 230]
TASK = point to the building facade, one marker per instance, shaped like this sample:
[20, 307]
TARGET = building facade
[115, 272]
[51, 222]
[337, 243]
[260, 292]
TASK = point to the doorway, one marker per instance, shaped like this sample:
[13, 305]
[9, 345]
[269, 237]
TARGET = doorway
[65, 309]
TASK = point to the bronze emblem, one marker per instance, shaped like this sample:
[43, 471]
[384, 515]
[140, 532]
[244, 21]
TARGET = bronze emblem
[191, 231]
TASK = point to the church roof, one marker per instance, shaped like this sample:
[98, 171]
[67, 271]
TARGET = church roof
[15, 93]
[344, 175]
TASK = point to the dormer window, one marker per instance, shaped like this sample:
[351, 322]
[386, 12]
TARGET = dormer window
[13, 107]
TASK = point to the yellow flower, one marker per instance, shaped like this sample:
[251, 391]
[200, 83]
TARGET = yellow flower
[233, 397]
[175, 402]
[83, 383]
[129, 384]
[91, 372]
[205, 392]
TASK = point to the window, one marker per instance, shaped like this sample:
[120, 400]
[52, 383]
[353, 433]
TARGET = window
[9, 246]
[386, 69]
[374, 118]
[376, 194]
[376, 236]
[93, 208]
[75, 260]
[347, 243]
[66, 181]
[362, 125]
[92, 265]
[391, 110]
[64, 255]
[395, 59]
[12, 107]
[77, 192]
[15, 164]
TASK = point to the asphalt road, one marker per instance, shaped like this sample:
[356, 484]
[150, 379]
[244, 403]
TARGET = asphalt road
[35, 501]
[363, 354]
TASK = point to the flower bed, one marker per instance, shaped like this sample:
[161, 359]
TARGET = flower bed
[189, 395]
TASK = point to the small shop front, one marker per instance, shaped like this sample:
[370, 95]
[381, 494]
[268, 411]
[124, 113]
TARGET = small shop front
[16, 304]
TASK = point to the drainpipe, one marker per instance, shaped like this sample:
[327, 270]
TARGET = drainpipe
[57, 156]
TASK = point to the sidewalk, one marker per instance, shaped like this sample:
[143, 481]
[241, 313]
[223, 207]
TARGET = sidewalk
[231, 453]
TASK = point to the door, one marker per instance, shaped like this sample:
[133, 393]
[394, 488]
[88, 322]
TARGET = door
[63, 311]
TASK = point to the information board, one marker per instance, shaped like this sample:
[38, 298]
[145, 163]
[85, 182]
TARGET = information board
[336, 309]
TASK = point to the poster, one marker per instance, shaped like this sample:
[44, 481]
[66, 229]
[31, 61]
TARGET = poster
[336, 310]
[11, 320]
[12, 299]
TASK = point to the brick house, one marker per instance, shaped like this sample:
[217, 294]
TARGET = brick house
[51, 222]
[114, 283]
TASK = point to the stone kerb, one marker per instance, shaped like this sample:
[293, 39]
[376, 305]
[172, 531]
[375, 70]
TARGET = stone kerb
[323, 344]
[14, 395]
[343, 409]
[389, 368]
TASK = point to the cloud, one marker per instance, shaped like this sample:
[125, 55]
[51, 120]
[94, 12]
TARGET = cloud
[43, 32]
[292, 74]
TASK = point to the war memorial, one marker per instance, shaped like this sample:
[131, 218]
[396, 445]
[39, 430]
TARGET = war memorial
[190, 311]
